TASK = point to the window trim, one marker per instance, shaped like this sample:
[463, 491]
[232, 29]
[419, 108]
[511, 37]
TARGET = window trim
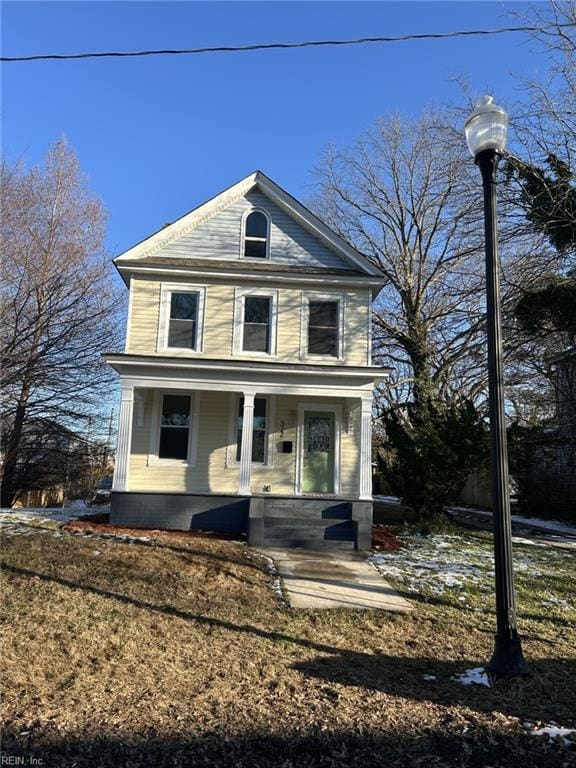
[340, 299]
[166, 291]
[247, 212]
[154, 447]
[239, 302]
[232, 437]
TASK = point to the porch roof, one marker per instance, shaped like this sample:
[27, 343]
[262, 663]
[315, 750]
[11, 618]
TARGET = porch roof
[153, 371]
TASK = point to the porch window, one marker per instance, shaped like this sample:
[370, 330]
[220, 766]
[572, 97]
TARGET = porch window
[258, 431]
[257, 317]
[323, 328]
[175, 427]
[256, 235]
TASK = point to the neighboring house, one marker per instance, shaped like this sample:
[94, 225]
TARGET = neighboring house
[55, 464]
[547, 485]
[246, 380]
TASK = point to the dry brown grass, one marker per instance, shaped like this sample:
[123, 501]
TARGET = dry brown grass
[179, 654]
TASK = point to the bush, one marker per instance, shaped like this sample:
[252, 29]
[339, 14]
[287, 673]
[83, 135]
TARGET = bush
[430, 452]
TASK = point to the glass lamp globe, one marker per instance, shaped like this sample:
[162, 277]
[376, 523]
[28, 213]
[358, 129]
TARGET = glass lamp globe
[487, 127]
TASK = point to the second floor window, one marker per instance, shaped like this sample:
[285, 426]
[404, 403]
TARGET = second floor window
[257, 319]
[255, 322]
[181, 317]
[183, 322]
[256, 236]
[323, 328]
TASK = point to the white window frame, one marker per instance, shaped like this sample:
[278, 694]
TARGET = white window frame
[154, 448]
[232, 429]
[239, 302]
[166, 291]
[312, 406]
[340, 299]
[243, 234]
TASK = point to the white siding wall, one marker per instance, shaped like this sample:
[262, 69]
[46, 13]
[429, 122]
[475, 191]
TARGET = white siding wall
[219, 238]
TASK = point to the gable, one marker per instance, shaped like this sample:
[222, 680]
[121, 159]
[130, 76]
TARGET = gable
[213, 231]
[219, 238]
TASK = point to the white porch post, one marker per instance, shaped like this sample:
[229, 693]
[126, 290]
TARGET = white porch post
[366, 449]
[246, 444]
[120, 482]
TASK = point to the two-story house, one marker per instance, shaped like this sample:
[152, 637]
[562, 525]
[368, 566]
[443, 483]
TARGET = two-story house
[246, 379]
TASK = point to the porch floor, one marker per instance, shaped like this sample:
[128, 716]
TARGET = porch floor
[325, 579]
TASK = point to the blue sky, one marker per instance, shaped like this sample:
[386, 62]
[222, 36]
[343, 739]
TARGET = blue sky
[159, 135]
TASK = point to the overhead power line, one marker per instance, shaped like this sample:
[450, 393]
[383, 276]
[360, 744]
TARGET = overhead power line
[282, 46]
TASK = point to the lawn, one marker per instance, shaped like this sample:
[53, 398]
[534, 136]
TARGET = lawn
[176, 651]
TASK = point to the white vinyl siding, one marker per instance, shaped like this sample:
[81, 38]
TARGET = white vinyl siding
[220, 238]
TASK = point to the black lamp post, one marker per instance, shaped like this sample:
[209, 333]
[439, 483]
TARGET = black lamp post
[486, 130]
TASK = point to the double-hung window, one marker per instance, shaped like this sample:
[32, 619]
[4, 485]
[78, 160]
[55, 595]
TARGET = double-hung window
[181, 313]
[175, 425]
[324, 327]
[256, 236]
[255, 322]
[259, 430]
[257, 317]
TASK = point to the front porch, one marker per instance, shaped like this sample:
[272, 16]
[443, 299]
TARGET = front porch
[247, 456]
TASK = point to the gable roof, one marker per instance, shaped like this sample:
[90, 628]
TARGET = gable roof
[147, 247]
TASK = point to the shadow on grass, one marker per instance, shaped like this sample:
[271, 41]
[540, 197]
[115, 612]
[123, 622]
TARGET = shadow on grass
[546, 694]
[478, 747]
[443, 603]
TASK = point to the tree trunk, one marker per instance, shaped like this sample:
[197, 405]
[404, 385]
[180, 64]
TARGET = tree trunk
[9, 488]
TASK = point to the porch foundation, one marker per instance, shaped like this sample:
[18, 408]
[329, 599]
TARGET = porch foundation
[311, 521]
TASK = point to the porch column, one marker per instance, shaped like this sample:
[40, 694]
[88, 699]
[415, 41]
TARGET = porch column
[120, 482]
[246, 444]
[365, 490]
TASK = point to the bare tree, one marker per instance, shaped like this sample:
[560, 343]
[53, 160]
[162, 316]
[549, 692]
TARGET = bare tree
[410, 207]
[59, 302]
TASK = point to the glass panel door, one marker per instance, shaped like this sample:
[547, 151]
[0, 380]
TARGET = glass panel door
[318, 453]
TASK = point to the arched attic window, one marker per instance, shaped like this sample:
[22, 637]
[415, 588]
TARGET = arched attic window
[256, 238]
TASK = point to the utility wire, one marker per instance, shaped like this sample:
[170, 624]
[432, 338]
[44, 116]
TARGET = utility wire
[270, 46]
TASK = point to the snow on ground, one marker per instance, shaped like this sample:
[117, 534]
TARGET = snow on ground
[554, 526]
[554, 733]
[433, 564]
[476, 676]
[276, 583]
[25, 521]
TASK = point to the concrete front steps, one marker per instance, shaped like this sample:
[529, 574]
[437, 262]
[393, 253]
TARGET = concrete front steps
[309, 523]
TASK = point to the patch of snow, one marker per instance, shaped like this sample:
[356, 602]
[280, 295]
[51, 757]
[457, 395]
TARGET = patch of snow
[436, 565]
[550, 525]
[554, 733]
[429, 677]
[276, 583]
[476, 676]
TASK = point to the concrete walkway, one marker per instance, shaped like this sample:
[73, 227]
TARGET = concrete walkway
[339, 579]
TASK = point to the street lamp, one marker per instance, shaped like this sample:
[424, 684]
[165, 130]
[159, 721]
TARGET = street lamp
[486, 130]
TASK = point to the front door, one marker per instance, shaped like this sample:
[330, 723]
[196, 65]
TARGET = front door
[318, 452]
